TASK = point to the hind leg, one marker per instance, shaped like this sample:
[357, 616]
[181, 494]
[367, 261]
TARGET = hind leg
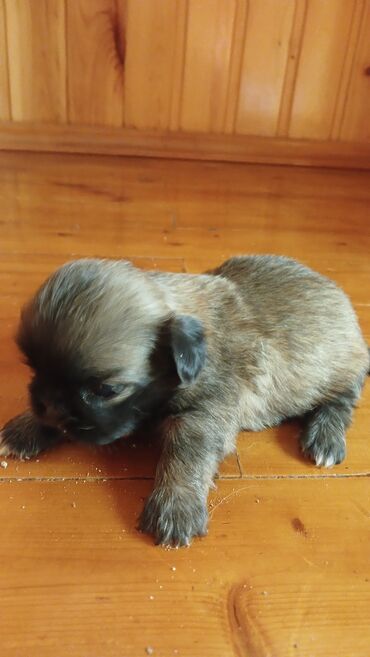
[323, 438]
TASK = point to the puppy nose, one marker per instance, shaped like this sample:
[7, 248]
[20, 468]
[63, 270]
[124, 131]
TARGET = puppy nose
[55, 414]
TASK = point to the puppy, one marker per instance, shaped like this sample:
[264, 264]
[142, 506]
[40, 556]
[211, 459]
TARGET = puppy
[258, 340]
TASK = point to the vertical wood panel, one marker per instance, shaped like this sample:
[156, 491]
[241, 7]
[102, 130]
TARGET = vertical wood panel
[36, 54]
[95, 33]
[325, 42]
[356, 121]
[298, 69]
[4, 79]
[178, 64]
[264, 63]
[240, 26]
[295, 44]
[154, 44]
[351, 50]
[207, 63]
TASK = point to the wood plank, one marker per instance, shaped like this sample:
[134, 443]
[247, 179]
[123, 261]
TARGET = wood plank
[348, 67]
[269, 26]
[131, 458]
[290, 78]
[246, 197]
[177, 243]
[247, 210]
[236, 61]
[95, 39]
[322, 57]
[37, 59]
[259, 210]
[4, 68]
[182, 145]
[193, 195]
[279, 583]
[178, 63]
[355, 126]
[180, 182]
[153, 67]
[126, 239]
[207, 62]
[85, 191]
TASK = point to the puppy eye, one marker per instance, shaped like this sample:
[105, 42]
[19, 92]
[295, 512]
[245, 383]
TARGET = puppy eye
[105, 390]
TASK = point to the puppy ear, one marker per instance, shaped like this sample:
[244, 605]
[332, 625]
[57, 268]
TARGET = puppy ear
[188, 347]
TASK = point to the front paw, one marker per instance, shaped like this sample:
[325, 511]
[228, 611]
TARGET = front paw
[23, 437]
[325, 449]
[174, 518]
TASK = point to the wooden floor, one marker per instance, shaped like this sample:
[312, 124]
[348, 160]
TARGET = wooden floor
[285, 569]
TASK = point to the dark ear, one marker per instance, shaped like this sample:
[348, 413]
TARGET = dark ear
[188, 346]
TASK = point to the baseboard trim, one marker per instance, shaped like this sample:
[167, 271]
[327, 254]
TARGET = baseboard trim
[228, 148]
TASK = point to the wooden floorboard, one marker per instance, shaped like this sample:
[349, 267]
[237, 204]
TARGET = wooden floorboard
[285, 568]
[283, 571]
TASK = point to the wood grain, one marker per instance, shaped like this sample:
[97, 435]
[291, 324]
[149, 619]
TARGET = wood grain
[236, 61]
[320, 69]
[290, 78]
[269, 25]
[247, 209]
[355, 125]
[284, 570]
[207, 63]
[182, 145]
[37, 59]
[96, 51]
[271, 578]
[357, 23]
[154, 56]
[4, 76]
[178, 63]
[216, 80]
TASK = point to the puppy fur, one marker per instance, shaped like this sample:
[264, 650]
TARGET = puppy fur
[244, 346]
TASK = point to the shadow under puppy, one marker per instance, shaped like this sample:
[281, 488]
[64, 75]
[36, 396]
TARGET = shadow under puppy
[259, 339]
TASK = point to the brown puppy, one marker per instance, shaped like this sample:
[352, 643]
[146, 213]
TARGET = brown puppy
[257, 340]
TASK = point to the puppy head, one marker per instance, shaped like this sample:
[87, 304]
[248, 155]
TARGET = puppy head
[105, 350]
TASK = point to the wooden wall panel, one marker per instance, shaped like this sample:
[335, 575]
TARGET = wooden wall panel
[212, 79]
[269, 25]
[356, 122]
[207, 62]
[37, 59]
[95, 41]
[240, 26]
[155, 33]
[351, 50]
[4, 79]
[320, 69]
[295, 44]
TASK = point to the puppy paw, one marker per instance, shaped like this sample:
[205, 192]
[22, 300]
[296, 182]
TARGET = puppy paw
[24, 438]
[173, 518]
[324, 452]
